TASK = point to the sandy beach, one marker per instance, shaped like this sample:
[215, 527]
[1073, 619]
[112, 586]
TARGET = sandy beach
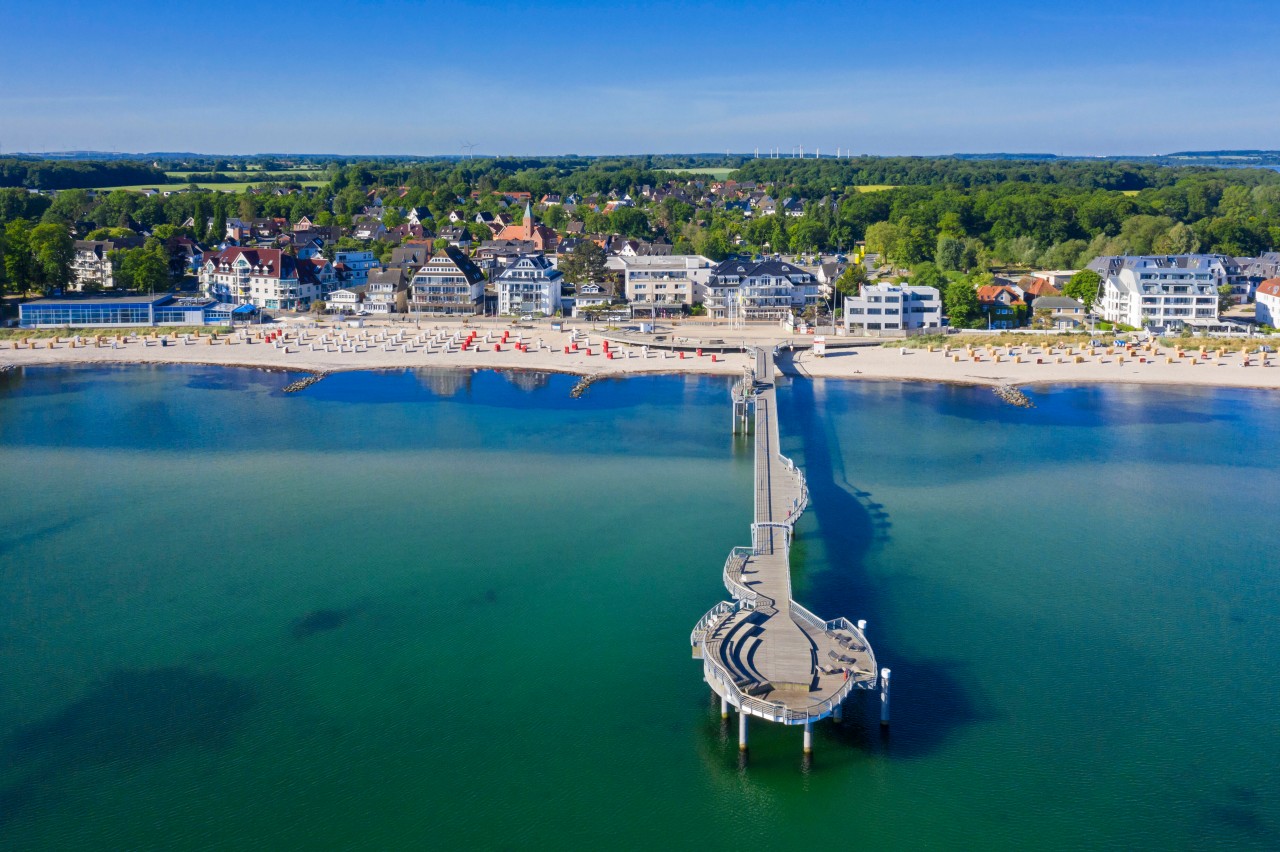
[586, 352]
[335, 349]
[1039, 364]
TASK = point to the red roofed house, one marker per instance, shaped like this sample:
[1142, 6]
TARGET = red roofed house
[265, 277]
[1002, 306]
[1268, 303]
[542, 237]
[1033, 287]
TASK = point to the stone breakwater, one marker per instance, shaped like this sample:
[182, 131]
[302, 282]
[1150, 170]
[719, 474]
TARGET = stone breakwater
[1013, 396]
[304, 383]
[587, 381]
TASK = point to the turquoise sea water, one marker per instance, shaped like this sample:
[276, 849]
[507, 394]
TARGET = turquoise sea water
[451, 610]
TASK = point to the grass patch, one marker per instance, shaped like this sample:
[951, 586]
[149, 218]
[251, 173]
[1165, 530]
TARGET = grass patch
[1009, 339]
[874, 187]
[1213, 344]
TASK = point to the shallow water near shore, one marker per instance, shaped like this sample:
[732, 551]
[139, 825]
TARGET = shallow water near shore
[451, 609]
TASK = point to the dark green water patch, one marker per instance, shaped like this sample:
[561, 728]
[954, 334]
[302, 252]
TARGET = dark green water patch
[133, 715]
[319, 621]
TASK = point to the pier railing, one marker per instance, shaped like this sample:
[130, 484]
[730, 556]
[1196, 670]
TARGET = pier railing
[733, 574]
[771, 710]
[713, 616]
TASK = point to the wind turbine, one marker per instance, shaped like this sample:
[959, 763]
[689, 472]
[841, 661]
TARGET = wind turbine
[470, 148]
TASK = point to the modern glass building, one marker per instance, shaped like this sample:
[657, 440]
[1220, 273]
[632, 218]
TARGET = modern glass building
[121, 311]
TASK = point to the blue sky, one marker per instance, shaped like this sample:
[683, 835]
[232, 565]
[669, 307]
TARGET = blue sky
[553, 77]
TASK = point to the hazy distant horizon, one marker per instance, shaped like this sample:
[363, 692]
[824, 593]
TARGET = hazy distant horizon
[91, 153]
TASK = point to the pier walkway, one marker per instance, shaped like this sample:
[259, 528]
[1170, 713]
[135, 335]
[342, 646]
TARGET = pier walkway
[763, 652]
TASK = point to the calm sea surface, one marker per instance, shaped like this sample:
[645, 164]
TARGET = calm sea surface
[451, 610]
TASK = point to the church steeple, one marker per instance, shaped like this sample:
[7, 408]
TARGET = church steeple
[528, 220]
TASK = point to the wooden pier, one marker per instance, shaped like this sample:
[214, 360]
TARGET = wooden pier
[762, 652]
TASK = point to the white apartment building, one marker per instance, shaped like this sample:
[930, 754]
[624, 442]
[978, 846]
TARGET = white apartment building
[763, 290]
[386, 291]
[91, 266]
[663, 285]
[1162, 292]
[1268, 303]
[449, 283]
[891, 310]
[353, 266]
[267, 278]
[529, 285]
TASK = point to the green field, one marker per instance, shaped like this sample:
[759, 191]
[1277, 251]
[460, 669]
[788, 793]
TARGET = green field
[222, 187]
[714, 174]
[875, 187]
[276, 175]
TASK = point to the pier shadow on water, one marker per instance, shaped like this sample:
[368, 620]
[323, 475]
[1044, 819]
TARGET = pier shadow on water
[932, 695]
[131, 717]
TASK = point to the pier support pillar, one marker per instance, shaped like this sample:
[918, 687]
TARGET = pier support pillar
[808, 737]
[884, 698]
[742, 730]
[838, 713]
[724, 708]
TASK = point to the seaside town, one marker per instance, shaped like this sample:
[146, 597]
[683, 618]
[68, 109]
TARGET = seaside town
[668, 272]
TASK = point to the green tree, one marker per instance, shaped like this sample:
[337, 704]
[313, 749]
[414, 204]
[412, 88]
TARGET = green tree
[949, 254]
[851, 280]
[52, 251]
[1138, 234]
[808, 234]
[68, 206]
[928, 275]
[110, 234]
[143, 269]
[585, 263]
[1225, 300]
[1236, 203]
[630, 222]
[961, 301]
[218, 230]
[18, 264]
[555, 218]
[672, 213]
[1179, 239]
[1063, 255]
[713, 245]
[1083, 287]
[881, 238]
